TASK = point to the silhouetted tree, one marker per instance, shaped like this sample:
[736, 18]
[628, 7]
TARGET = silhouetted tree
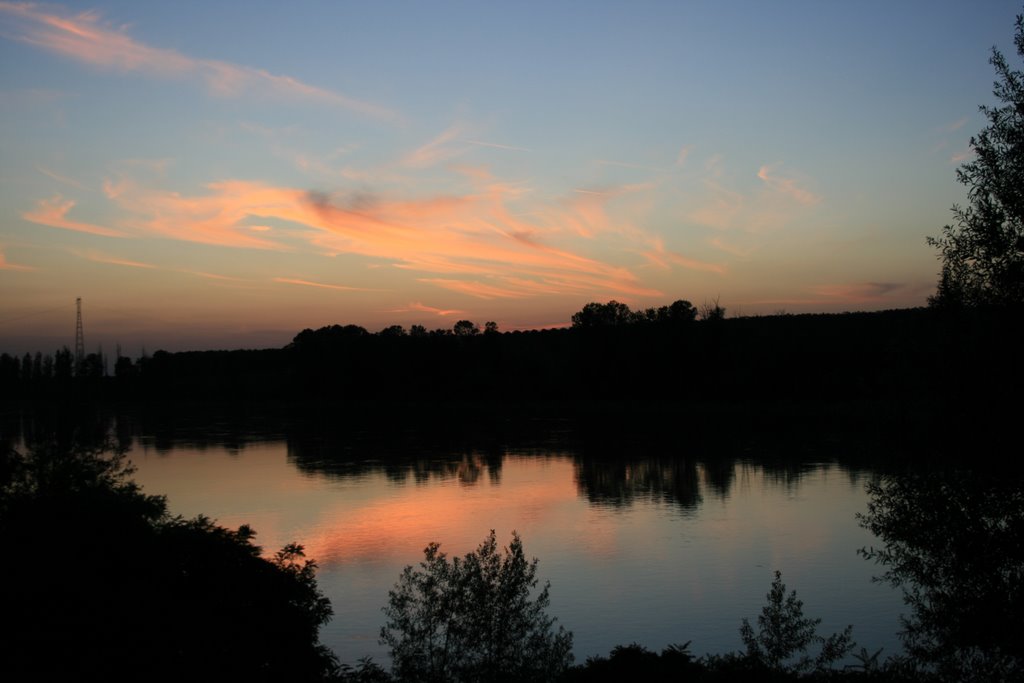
[602, 315]
[392, 331]
[465, 328]
[712, 311]
[490, 327]
[983, 251]
[784, 634]
[681, 311]
[955, 544]
[473, 619]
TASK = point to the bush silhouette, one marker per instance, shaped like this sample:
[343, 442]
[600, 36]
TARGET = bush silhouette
[473, 619]
[784, 634]
[109, 586]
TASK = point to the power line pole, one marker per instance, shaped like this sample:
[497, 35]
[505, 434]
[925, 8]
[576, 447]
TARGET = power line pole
[79, 338]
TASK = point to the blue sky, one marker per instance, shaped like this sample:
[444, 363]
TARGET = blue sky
[226, 174]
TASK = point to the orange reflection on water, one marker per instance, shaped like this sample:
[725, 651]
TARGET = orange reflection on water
[399, 519]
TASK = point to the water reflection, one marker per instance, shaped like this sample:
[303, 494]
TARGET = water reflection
[619, 483]
[643, 540]
[655, 549]
[954, 542]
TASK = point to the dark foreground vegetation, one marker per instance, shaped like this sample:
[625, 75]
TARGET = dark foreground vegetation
[100, 582]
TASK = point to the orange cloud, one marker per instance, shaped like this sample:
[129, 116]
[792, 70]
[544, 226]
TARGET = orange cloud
[84, 38]
[474, 241]
[53, 212]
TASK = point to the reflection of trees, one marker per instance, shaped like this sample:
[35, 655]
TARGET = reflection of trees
[400, 457]
[618, 482]
[955, 544]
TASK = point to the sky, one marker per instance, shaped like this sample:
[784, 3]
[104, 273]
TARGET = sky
[226, 174]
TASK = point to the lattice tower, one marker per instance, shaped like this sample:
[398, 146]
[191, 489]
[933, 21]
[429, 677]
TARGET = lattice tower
[79, 335]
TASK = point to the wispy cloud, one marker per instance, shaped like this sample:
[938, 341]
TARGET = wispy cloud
[53, 212]
[664, 259]
[475, 288]
[436, 151]
[729, 248]
[683, 155]
[722, 208]
[60, 178]
[321, 285]
[84, 37]
[628, 164]
[728, 205]
[952, 126]
[513, 148]
[422, 308]
[787, 186]
[114, 260]
[962, 155]
[7, 265]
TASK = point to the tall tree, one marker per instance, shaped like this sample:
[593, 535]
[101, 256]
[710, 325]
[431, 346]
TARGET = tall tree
[983, 251]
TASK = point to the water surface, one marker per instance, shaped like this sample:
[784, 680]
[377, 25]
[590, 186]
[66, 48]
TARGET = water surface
[649, 549]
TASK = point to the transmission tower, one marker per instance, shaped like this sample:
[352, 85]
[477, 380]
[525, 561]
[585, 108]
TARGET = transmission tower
[79, 337]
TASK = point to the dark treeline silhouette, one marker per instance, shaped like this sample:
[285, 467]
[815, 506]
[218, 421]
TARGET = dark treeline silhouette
[915, 359]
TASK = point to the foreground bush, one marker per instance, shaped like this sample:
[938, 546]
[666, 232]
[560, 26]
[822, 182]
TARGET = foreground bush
[100, 583]
[473, 619]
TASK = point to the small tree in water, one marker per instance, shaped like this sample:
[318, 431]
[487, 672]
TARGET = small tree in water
[472, 619]
[784, 634]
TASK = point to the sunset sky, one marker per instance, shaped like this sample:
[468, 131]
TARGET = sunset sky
[223, 175]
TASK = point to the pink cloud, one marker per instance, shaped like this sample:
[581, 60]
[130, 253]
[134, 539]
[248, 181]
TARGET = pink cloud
[84, 38]
[53, 212]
